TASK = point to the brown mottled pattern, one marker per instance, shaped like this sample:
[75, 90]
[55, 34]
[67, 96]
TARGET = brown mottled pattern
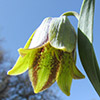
[37, 57]
[35, 69]
[35, 66]
[53, 74]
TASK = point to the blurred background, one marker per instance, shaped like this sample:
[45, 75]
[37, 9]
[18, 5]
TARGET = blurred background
[18, 20]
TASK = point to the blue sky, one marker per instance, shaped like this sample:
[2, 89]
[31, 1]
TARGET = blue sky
[19, 18]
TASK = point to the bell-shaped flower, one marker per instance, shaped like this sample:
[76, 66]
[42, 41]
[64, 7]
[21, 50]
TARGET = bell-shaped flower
[49, 56]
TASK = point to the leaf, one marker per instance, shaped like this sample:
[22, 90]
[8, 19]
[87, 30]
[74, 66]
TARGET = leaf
[62, 34]
[21, 65]
[85, 47]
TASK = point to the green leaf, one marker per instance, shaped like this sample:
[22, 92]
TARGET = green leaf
[85, 47]
[22, 63]
[62, 34]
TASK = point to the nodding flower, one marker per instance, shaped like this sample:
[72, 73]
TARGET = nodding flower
[50, 55]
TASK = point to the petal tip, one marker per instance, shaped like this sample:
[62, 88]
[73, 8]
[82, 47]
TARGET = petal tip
[36, 91]
[10, 72]
[78, 76]
[68, 94]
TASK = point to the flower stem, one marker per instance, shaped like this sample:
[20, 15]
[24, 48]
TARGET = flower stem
[71, 13]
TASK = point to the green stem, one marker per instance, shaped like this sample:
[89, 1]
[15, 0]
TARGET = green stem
[71, 13]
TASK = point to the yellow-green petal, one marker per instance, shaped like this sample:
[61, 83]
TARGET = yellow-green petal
[43, 74]
[21, 65]
[64, 77]
[76, 74]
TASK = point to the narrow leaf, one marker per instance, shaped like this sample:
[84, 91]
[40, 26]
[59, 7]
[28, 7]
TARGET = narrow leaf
[85, 47]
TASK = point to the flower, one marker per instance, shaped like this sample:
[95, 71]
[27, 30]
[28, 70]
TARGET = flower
[49, 55]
